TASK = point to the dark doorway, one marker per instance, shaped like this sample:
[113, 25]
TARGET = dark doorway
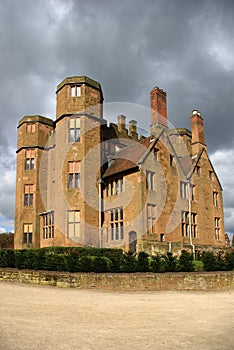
[132, 241]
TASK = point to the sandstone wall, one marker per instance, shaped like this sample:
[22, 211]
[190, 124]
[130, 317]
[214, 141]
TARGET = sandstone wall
[203, 281]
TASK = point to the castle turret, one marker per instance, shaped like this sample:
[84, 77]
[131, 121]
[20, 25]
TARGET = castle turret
[79, 94]
[33, 135]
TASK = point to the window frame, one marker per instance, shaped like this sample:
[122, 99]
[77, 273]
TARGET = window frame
[47, 225]
[116, 224]
[115, 186]
[75, 90]
[29, 190]
[74, 177]
[185, 224]
[215, 199]
[156, 154]
[185, 187]
[172, 160]
[74, 134]
[151, 213]
[30, 159]
[30, 128]
[27, 233]
[217, 228]
[75, 223]
[150, 180]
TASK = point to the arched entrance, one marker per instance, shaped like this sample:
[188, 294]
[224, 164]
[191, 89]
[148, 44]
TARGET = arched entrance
[132, 241]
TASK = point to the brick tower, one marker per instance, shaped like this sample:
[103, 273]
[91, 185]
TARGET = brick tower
[33, 134]
[58, 169]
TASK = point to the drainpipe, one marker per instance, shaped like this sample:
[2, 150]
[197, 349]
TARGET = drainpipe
[169, 247]
[190, 218]
[100, 211]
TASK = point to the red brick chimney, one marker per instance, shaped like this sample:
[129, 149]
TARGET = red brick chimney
[197, 127]
[158, 103]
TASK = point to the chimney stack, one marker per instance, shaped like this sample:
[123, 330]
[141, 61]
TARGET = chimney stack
[121, 123]
[158, 104]
[197, 127]
[133, 129]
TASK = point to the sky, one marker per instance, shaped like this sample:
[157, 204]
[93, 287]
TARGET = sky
[185, 47]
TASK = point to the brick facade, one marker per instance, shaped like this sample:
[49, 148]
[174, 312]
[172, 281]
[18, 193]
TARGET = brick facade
[81, 181]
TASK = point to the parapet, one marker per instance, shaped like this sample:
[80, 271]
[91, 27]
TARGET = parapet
[36, 118]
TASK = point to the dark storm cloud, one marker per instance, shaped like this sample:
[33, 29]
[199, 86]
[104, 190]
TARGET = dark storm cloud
[185, 47]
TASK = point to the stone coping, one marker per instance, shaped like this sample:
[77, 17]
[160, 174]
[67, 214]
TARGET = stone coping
[178, 281]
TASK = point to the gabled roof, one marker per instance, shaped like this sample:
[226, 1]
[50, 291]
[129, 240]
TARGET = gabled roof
[128, 158]
[131, 157]
[196, 161]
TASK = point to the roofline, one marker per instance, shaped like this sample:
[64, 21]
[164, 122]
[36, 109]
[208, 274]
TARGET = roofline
[35, 118]
[83, 79]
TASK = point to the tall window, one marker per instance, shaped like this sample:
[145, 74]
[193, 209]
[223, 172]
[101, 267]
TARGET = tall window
[210, 175]
[74, 175]
[184, 190]
[30, 127]
[75, 91]
[150, 180]
[192, 189]
[27, 239]
[116, 223]
[28, 195]
[217, 228]
[114, 187]
[151, 217]
[172, 160]
[156, 153]
[198, 171]
[215, 198]
[74, 224]
[30, 157]
[74, 130]
[47, 223]
[185, 224]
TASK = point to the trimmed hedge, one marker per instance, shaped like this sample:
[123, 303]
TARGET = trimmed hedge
[82, 259]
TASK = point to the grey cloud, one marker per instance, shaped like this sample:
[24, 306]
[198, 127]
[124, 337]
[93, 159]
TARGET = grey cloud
[185, 47]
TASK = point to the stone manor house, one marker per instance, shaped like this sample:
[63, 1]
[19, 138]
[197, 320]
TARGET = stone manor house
[81, 181]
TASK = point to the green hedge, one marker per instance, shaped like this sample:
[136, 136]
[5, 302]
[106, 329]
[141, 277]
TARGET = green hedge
[79, 259]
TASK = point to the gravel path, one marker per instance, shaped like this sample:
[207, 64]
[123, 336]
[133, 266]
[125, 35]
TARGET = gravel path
[41, 318]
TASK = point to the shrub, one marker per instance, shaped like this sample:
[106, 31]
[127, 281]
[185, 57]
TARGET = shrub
[186, 261]
[55, 262]
[7, 258]
[198, 266]
[142, 262]
[20, 259]
[209, 261]
[169, 263]
[72, 262]
[86, 263]
[101, 264]
[129, 262]
[156, 264]
[220, 264]
[229, 260]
